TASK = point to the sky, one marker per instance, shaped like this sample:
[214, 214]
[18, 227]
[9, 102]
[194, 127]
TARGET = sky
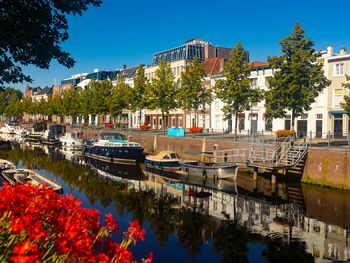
[130, 32]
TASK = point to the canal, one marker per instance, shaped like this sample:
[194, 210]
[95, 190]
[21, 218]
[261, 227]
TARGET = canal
[193, 220]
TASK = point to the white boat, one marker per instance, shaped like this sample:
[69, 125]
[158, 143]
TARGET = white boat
[7, 129]
[53, 133]
[4, 165]
[164, 160]
[37, 132]
[72, 141]
[25, 176]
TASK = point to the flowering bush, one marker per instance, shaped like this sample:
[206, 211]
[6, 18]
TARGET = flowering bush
[285, 133]
[144, 126]
[109, 125]
[196, 129]
[38, 224]
[84, 124]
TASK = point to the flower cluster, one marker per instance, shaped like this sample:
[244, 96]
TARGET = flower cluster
[285, 133]
[84, 124]
[38, 224]
[196, 129]
[144, 126]
[109, 125]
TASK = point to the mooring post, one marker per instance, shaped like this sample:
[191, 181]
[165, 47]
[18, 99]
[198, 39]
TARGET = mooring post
[329, 138]
[273, 181]
[255, 174]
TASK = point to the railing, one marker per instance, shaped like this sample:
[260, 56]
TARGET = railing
[288, 153]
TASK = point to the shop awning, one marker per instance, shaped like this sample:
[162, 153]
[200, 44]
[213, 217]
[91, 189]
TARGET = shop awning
[333, 112]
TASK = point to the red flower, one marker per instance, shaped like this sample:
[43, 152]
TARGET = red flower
[111, 224]
[196, 129]
[135, 231]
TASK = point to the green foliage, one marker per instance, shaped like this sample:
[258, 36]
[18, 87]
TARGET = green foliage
[32, 32]
[236, 90]
[138, 97]
[191, 94]
[120, 98]
[162, 91]
[298, 78]
[101, 92]
[346, 104]
[10, 102]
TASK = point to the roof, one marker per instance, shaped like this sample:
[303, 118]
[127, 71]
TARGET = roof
[129, 72]
[44, 91]
[213, 66]
[259, 64]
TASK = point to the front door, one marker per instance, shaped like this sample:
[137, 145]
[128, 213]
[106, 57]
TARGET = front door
[254, 125]
[302, 128]
[229, 123]
[287, 124]
[338, 128]
[318, 128]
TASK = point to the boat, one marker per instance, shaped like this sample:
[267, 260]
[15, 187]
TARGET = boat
[25, 176]
[209, 170]
[37, 132]
[52, 135]
[114, 148]
[164, 160]
[4, 165]
[9, 128]
[72, 141]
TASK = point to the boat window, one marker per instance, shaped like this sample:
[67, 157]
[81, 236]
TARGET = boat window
[173, 155]
[166, 157]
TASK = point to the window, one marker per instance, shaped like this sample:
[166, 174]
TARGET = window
[217, 105]
[254, 82]
[319, 116]
[268, 124]
[172, 121]
[339, 69]
[217, 121]
[180, 122]
[338, 95]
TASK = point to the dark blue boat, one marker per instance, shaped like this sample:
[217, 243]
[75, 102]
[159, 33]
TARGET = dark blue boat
[114, 148]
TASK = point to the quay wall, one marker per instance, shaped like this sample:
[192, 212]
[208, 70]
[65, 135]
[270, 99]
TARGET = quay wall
[328, 167]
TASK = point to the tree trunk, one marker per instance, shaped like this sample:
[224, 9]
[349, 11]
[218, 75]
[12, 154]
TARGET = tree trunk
[292, 121]
[140, 118]
[236, 126]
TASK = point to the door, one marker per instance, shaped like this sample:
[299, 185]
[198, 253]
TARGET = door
[338, 128]
[302, 128]
[229, 122]
[318, 128]
[254, 125]
[287, 124]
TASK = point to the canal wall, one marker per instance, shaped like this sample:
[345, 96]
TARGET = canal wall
[328, 167]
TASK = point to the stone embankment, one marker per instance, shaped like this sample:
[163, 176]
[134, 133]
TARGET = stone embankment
[328, 167]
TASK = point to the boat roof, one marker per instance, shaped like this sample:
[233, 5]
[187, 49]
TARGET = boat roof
[161, 154]
[111, 134]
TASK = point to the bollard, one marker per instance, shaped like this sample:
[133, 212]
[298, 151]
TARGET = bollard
[329, 138]
[310, 138]
[223, 133]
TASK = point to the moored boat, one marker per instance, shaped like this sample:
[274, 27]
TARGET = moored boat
[164, 160]
[37, 132]
[52, 135]
[25, 176]
[114, 148]
[209, 170]
[72, 141]
[4, 165]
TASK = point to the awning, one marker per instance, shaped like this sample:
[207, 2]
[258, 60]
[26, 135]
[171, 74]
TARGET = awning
[333, 112]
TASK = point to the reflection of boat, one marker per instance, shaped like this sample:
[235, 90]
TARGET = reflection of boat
[72, 140]
[114, 171]
[210, 170]
[4, 144]
[53, 133]
[114, 148]
[25, 176]
[4, 165]
[164, 160]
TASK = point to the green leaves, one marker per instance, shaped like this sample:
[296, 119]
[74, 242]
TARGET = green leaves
[138, 97]
[120, 97]
[191, 93]
[298, 78]
[346, 104]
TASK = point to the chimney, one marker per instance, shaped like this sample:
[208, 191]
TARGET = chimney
[95, 70]
[124, 66]
[329, 50]
[343, 51]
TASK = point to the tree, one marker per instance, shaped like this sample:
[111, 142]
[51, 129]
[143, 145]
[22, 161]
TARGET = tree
[10, 102]
[86, 102]
[71, 103]
[32, 33]
[346, 104]
[236, 90]
[138, 98]
[298, 78]
[101, 92]
[162, 91]
[192, 95]
[120, 98]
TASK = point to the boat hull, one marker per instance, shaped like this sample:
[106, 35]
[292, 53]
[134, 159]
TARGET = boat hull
[163, 165]
[220, 171]
[127, 155]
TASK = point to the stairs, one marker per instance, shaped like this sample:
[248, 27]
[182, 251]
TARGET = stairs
[299, 167]
[295, 196]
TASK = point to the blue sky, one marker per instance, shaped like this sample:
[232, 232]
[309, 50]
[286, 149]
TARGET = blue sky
[129, 32]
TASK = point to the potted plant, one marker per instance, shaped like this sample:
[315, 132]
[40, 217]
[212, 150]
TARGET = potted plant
[84, 124]
[285, 133]
[144, 127]
[109, 125]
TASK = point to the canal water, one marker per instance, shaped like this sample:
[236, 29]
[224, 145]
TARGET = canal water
[193, 220]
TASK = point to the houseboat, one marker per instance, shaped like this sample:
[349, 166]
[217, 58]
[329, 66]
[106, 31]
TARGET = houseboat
[209, 170]
[164, 160]
[114, 148]
[52, 135]
[37, 132]
[25, 176]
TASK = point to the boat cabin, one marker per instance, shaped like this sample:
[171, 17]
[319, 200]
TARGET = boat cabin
[113, 137]
[164, 156]
[57, 129]
[39, 127]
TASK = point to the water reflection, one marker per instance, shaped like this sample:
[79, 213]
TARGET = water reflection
[213, 221]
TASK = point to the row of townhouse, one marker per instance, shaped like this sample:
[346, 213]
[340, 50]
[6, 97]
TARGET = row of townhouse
[326, 115]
